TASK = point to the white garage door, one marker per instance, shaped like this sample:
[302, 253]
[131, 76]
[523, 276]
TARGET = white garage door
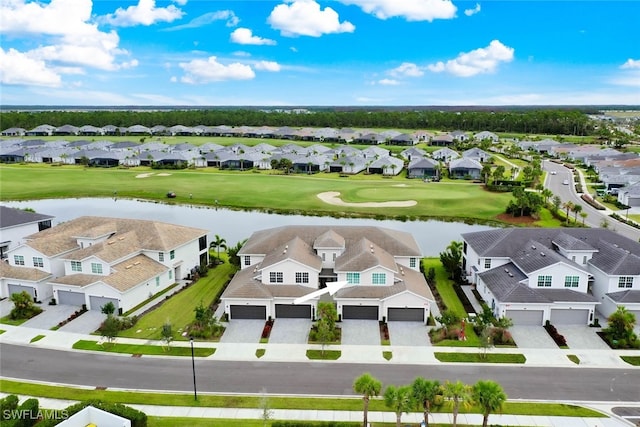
[96, 303]
[70, 298]
[569, 317]
[525, 317]
[16, 289]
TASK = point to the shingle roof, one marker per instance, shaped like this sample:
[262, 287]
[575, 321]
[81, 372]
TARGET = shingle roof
[364, 255]
[533, 256]
[11, 217]
[22, 273]
[614, 260]
[628, 296]
[329, 239]
[297, 250]
[565, 241]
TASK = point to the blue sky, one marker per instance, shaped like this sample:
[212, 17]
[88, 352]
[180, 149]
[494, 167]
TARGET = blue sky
[312, 52]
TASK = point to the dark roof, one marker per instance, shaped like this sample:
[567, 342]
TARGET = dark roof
[533, 256]
[625, 296]
[565, 241]
[10, 217]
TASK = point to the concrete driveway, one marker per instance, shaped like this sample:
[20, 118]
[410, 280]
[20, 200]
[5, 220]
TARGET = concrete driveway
[360, 332]
[88, 323]
[51, 316]
[243, 331]
[6, 305]
[531, 337]
[582, 337]
[290, 331]
[408, 334]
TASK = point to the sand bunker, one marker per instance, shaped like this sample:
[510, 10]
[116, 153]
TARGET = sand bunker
[144, 175]
[164, 174]
[332, 197]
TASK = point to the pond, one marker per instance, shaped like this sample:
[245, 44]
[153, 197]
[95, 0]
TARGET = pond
[432, 236]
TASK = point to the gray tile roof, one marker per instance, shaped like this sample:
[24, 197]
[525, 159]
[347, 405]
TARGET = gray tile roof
[614, 260]
[533, 256]
[11, 217]
[628, 296]
[565, 241]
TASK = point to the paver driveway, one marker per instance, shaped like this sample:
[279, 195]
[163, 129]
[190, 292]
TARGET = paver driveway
[582, 337]
[360, 332]
[290, 331]
[408, 334]
[51, 316]
[531, 337]
[243, 331]
[88, 323]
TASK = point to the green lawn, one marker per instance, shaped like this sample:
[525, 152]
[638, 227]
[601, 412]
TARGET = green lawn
[152, 350]
[179, 309]
[36, 338]
[480, 358]
[631, 360]
[277, 192]
[324, 355]
[13, 322]
[276, 402]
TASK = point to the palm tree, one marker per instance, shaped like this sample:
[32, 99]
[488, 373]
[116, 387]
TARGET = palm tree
[218, 243]
[399, 399]
[576, 210]
[368, 386]
[546, 193]
[583, 215]
[426, 394]
[568, 206]
[489, 397]
[459, 393]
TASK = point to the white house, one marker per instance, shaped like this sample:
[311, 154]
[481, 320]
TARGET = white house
[15, 224]
[561, 275]
[96, 260]
[284, 263]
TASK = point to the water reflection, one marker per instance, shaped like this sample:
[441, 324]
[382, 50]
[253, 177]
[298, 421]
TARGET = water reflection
[432, 236]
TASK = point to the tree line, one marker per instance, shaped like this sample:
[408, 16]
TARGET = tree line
[552, 122]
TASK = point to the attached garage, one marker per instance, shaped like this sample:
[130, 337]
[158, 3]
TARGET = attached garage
[569, 317]
[368, 312]
[525, 317]
[405, 314]
[293, 311]
[96, 303]
[248, 312]
[71, 298]
[16, 289]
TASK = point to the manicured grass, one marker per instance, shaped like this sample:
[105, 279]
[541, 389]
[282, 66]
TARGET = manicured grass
[631, 360]
[387, 355]
[328, 354]
[152, 350]
[575, 359]
[278, 192]
[546, 219]
[276, 402]
[179, 309]
[156, 296]
[260, 352]
[636, 218]
[14, 322]
[2, 331]
[480, 358]
[37, 338]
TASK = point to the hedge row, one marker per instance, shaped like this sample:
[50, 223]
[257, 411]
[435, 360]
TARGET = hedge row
[592, 202]
[137, 418]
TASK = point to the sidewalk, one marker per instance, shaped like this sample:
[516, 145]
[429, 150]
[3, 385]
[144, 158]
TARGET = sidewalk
[356, 416]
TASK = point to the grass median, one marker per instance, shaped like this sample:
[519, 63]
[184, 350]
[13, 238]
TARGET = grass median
[142, 349]
[480, 357]
[275, 402]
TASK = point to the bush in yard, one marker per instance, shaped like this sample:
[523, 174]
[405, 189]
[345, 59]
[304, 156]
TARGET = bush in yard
[7, 405]
[619, 333]
[442, 334]
[24, 308]
[27, 414]
[137, 418]
[555, 335]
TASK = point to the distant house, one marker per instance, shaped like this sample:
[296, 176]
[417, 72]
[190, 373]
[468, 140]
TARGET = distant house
[42, 130]
[16, 224]
[13, 132]
[465, 168]
[630, 195]
[138, 130]
[445, 155]
[403, 139]
[88, 130]
[370, 138]
[412, 152]
[442, 141]
[66, 130]
[481, 136]
[423, 168]
[476, 154]
[459, 135]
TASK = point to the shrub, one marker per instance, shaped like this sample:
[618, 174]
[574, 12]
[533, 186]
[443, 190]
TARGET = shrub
[7, 405]
[28, 414]
[137, 418]
[555, 335]
[592, 202]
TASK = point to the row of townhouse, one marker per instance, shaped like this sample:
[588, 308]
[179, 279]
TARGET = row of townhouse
[558, 275]
[344, 135]
[96, 260]
[424, 166]
[280, 265]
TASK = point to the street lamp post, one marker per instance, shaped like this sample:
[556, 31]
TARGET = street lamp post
[193, 367]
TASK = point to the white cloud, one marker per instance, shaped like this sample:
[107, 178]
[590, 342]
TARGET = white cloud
[478, 61]
[407, 69]
[631, 64]
[241, 53]
[473, 11]
[16, 68]
[208, 18]
[411, 10]
[144, 13]
[388, 82]
[305, 18]
[267, 66]
[245, 36]
[200, 71]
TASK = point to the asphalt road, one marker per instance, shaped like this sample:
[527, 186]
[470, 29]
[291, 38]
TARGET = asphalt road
[313, 378]
[567, 193]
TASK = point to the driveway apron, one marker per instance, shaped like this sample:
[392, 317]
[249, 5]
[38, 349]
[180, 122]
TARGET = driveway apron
[531, 337]
[88, 323]
[582, 337]
[408, 334]
[243, 331]
[290, 331]
[51, 316]
[360, 332]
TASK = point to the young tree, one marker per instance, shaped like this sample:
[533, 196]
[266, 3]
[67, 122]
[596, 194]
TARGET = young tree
[621, 325]
[568, 205]
[368, 387]
[489, 397]
[265, 407]
[167, 334]
[459, 393]
[23, 306]
[451, 259]
[399, 400]
[576, 209]
[110, 328]
[426, 394]
[108, 309]
[556, 201]
[234, 259]
[218, 243]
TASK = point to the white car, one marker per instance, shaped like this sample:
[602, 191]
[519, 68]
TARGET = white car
[554, 172]
[565, 182]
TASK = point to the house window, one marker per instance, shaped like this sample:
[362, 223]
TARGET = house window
[571, 281]
[158, 281]
[172, 254]
[379, 278]
[302, 277]
[18, 259]
[76, 266]
[247, 260]
[324, 256]
[334, 256]
[161, 256]
[38, 262]
[584, 259]
[573, 258]
[276, 277]
[625, 282]
[96, 268]
[353, 278]
[412, 262]
[487, 263]
[544, 281]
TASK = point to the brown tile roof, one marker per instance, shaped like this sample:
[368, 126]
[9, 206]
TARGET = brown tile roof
[125, 275]
[22, 273]
[329, 239]
[296, 249]
[111, 250]
[412, 281]
[364, 255]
